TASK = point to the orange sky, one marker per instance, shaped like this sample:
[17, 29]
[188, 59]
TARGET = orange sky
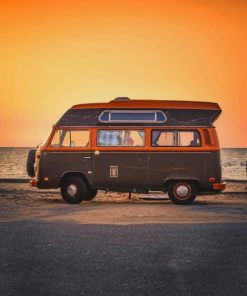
[54, 54]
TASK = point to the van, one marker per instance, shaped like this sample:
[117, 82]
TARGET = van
[131, 146]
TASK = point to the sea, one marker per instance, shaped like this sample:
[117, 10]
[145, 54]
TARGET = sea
[13, 163]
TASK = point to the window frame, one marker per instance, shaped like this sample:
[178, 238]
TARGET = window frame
[176, 137]
[121, 146]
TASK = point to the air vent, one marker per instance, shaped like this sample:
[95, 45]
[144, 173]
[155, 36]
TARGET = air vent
[121, 99]
[207, 137]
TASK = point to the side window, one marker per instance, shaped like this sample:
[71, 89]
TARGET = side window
[189, 139]
[176, 138]
[163, 138]
[120, 138]
[70, 138]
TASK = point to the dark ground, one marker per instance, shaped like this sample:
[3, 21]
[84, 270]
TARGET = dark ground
[63, 258]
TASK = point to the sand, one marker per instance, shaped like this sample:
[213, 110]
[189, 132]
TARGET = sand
[19, 202]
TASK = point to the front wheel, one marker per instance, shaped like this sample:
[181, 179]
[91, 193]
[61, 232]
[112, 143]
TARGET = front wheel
[182, 192]
[74, 190]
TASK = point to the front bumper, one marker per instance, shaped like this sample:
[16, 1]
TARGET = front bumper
[219, 186]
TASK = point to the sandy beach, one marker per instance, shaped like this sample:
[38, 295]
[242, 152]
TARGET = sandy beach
[19, 202]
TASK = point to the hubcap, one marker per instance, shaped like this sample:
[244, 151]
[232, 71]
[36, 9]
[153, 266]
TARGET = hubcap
[72, 189]
[182, 191]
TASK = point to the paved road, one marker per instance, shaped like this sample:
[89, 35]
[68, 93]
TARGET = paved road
[62, 258]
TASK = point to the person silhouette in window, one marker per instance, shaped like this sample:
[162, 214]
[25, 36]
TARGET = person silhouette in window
[196, 141]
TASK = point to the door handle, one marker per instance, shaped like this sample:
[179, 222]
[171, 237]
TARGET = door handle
[86, 156]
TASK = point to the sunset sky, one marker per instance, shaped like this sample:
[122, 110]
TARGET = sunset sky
[54, 54]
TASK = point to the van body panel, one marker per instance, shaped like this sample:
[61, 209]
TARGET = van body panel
[120, 169]
[213, 166]
[196, 166]
[54, 164]
[165, 166]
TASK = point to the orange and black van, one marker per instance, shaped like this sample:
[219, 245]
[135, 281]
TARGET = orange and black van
[131, 146]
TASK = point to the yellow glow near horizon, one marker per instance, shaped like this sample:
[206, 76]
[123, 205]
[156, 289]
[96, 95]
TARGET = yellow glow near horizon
[54, 54]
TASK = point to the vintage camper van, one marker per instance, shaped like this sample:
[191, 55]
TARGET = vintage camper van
[131, 146]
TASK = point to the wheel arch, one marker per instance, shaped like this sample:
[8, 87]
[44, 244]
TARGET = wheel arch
[67, 175]
[167, 182]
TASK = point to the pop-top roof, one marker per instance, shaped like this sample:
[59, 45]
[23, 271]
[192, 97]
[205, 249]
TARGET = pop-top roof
[124, 102]
[124, 111]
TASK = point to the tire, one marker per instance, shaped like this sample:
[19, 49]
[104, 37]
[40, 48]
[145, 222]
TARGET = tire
[30, 163]
[182, 192]
[74, 190]
[91, 194]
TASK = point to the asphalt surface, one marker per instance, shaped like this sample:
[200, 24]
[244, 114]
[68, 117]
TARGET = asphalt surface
[62, 258]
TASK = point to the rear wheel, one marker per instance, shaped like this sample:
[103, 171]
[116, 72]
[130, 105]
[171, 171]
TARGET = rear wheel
[91, 194]
[182, 192]
[74, 190]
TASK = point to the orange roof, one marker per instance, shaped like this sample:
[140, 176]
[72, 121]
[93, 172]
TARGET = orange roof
[150, 104]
